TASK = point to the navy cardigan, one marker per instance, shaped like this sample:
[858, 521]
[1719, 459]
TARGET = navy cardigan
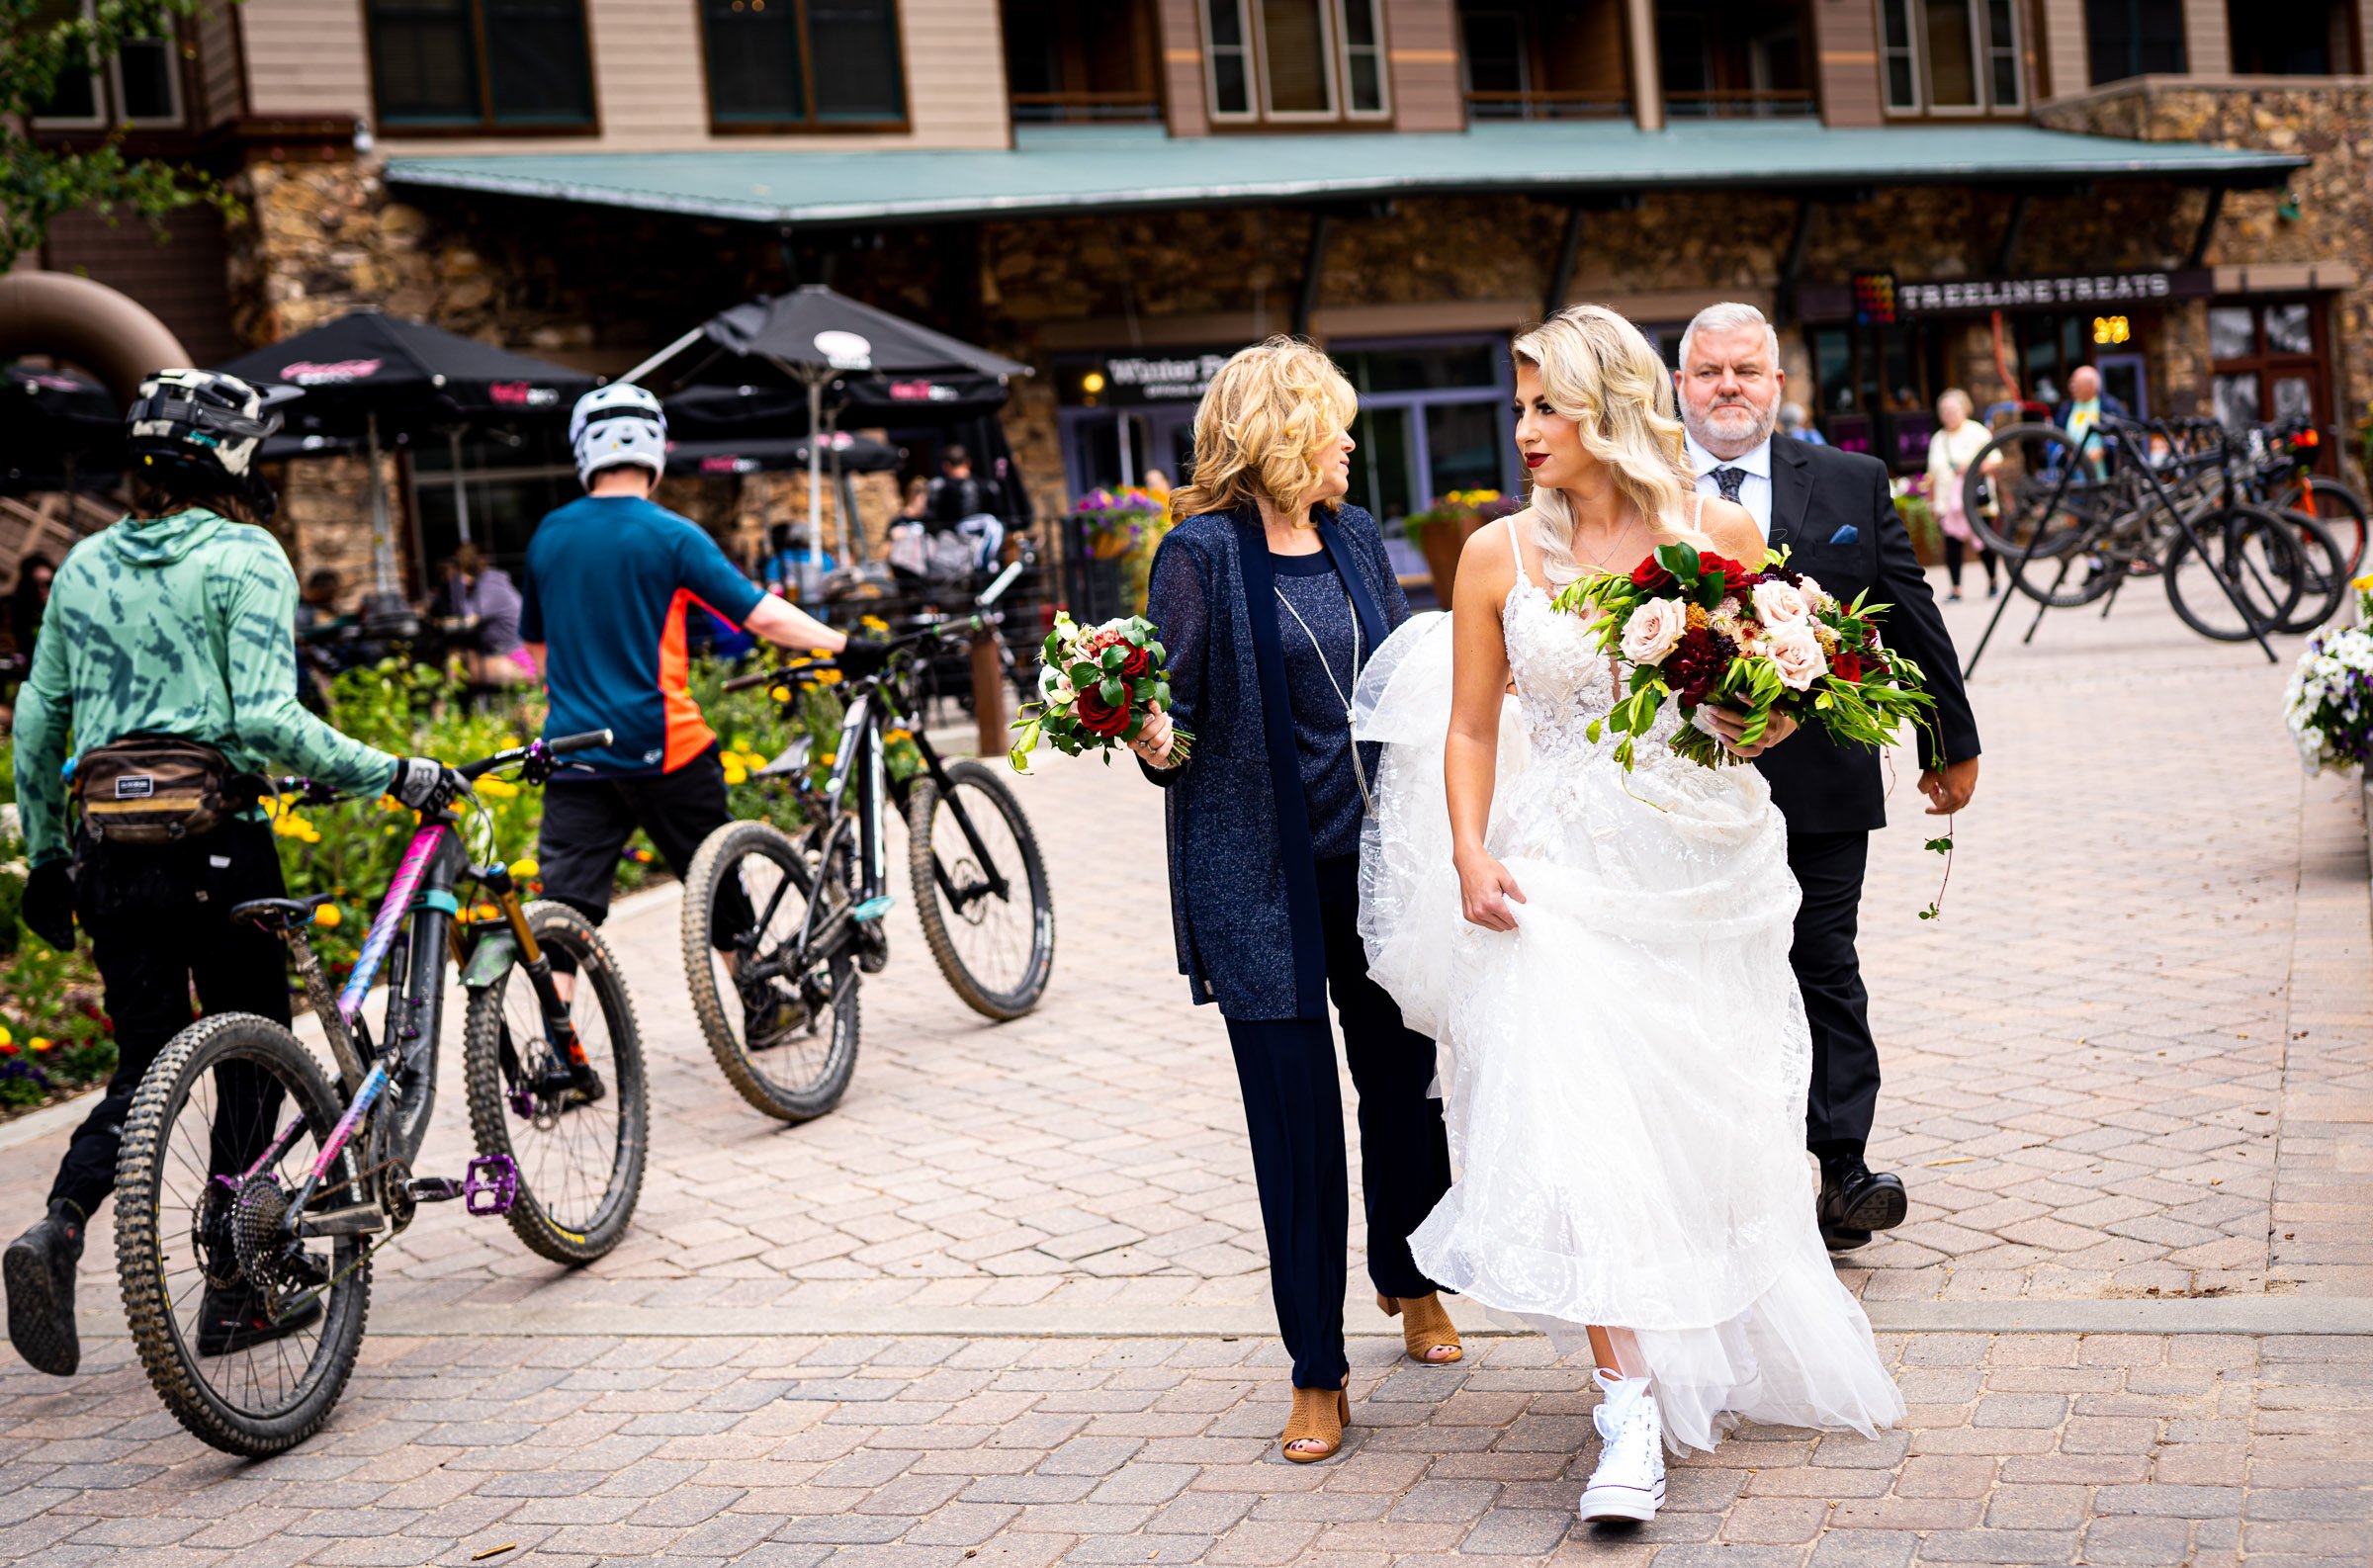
[1241, 872]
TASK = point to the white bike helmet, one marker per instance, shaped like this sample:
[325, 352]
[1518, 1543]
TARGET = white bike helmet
[618, 425]
[199, 432]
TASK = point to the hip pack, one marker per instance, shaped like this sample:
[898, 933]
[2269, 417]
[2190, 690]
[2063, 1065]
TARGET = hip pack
[149, 789]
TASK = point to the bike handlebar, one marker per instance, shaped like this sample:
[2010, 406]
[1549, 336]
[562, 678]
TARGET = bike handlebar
[587, 740]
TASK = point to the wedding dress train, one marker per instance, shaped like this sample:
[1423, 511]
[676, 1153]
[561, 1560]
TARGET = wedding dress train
[1624, 1073]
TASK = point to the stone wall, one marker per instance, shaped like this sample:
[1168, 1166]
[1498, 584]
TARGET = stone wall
[2333, 197]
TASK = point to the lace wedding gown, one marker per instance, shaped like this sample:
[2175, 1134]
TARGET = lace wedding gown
[1624, 1073]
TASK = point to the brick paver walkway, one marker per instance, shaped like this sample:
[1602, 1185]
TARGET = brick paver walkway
[1007, 1304]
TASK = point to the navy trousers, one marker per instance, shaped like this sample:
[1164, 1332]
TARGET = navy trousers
[1293, 1109]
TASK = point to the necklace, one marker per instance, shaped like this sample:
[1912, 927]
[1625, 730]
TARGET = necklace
[1621, 533]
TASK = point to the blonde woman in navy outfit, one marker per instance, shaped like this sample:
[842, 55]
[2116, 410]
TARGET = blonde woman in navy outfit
[1269, 596]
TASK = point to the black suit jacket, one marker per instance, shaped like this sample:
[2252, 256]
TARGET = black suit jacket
[1820, 786]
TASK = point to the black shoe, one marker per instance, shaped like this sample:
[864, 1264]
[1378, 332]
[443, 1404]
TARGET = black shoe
[1855, 1201]
[233, 1320]
[39, 1271]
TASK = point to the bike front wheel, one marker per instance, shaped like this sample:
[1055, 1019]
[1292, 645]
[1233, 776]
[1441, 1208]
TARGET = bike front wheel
[781, 1023]
[980, 889]
[2337, 508]
[2243, 582]
[247, 1334]
[573, 1122]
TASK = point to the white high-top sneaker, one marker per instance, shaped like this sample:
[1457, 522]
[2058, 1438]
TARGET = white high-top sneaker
[1629, 1484]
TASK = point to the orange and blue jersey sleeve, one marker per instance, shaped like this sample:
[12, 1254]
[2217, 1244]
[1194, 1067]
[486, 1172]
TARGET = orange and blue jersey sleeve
[703, 572]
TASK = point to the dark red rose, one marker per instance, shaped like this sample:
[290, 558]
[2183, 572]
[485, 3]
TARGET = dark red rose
[1649, 578]
[1137, 662]
[1846, 666]
[1730, 570]
[1096, 718]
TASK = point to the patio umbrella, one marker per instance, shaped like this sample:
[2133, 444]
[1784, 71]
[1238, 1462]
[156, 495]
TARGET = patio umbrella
[821, 341]
[853, 454]
[59, 430]
[382, 377]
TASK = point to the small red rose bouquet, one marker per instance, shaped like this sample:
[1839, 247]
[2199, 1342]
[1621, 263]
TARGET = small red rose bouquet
[1699, 629]
[1097, 685]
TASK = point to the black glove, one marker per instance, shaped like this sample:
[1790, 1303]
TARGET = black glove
[864, 655]
[49, 907]
[423, 783]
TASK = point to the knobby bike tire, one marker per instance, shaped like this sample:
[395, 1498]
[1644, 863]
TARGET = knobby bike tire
[982, 996]
[140, 1253]
[2324, 574]
[720, 856]
[2337, 508]
[2289, 572]
[492, 1119]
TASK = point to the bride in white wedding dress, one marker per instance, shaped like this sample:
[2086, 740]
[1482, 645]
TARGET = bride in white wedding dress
[1603, 958]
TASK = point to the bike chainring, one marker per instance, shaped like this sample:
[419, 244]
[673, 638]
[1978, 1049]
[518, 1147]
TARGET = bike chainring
[396, 1195]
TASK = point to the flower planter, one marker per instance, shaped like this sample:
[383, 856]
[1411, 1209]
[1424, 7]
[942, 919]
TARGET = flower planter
[1442, 539]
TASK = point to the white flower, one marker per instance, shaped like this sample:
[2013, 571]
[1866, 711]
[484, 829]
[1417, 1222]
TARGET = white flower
[1778, 604]
[1814, 592]
[1653, 630]
[1055, 688]
[1797, 655]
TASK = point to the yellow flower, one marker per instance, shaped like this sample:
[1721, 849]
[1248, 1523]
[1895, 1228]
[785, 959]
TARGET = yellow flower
[487, 912]
[734, 773]
[41, 1042]
[874, 624]
[829, 757]
[328, 916]
[525, 869]
[499, 789]
[310, 836]
[828, 678]
[894, 737]
[779, 693]
[6, 1038]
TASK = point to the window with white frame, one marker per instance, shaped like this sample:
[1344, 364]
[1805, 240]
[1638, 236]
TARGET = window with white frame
[1295, 59]
[141, 86]
[1949, 56]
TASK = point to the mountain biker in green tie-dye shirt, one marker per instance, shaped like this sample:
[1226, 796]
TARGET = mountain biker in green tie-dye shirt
[176, 622]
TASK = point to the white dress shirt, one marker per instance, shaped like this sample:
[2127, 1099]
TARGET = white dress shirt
[1755, 492]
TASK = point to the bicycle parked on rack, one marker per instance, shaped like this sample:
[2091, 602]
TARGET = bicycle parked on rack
[2073, 519]
[216, 1192]
[778, 1000]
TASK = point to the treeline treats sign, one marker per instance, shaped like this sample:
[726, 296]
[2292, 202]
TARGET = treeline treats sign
[1825, 301]
[1133, 378]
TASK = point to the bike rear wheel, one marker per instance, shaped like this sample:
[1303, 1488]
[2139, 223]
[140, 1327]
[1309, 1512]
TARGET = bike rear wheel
[2252, 551]
[785, 1039]
[2335, 505]
[2028, 495]
[199, 1246]
[577, 1140]
[995, 946]
[2324, 574]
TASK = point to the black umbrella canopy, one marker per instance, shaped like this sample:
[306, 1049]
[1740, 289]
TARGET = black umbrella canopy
[57, 428]
[853, 454]
[414, 378]
[814, 329]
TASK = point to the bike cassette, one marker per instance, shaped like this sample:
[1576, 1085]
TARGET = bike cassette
[490, 1186]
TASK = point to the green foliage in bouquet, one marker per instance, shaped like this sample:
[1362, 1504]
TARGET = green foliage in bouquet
[1097, 687]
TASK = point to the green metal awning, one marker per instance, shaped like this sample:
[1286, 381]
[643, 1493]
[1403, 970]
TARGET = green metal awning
[1052, 171]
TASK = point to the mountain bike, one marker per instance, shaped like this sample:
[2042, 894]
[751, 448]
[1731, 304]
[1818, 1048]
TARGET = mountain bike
[251, 1195]
[777, 927]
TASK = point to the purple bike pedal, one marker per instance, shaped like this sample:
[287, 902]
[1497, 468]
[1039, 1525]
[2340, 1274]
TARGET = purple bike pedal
[492, 1184]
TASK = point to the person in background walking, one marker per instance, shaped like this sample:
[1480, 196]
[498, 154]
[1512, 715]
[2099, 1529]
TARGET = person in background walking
[1268, 597]
[1951, 450]
[1796, 425]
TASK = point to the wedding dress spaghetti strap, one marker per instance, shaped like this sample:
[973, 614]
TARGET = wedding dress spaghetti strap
[1624, 1073]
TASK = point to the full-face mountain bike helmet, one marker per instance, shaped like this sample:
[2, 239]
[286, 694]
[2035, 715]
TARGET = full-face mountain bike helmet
[201, 434]
[615, 425]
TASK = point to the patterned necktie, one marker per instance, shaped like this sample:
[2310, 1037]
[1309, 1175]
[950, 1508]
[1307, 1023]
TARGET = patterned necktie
[1731, 480]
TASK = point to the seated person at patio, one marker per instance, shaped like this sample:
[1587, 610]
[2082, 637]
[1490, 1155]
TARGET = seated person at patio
[486, 601]
[610, 581]
[176, 622]
[956, 494]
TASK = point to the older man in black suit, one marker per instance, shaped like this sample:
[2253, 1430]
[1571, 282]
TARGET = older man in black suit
[1833, 513]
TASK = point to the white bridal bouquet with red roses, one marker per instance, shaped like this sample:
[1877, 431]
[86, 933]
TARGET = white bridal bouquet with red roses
[1097, 685]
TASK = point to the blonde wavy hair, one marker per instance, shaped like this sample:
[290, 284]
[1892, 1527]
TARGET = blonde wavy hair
[1599, 371]
[1265, 427]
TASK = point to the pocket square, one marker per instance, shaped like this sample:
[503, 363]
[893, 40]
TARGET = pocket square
[1848, 535]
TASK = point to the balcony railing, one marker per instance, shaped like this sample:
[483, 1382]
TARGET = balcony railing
[1073, 108]
[1544, 105]
[1742, 104]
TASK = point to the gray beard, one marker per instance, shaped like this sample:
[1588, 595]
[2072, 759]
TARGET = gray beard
[1713, 443]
